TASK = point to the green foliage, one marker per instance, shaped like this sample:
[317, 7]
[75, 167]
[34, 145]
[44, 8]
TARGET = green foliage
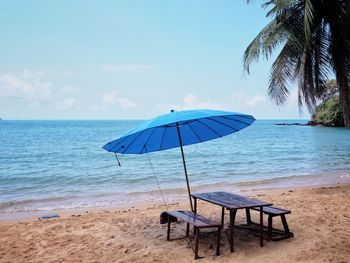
[329, 113]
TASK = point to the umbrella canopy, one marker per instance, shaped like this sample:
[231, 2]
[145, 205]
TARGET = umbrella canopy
[195, 126]
[177, 129]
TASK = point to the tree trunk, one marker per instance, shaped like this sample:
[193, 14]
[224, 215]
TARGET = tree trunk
[340, 58]
[340, 54]
[345, 101]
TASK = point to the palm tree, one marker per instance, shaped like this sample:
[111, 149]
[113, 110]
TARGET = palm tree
[313, 37]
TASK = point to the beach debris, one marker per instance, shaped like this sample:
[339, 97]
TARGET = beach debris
[50, 216]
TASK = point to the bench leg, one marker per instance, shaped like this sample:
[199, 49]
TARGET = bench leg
[187, 229]
[285, 225]
[261, 227]
[247, 212]
[196, 230]
[168, 230]
[218, 242]
[269, 227]
[232, 222]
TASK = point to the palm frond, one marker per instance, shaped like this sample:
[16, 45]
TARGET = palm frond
[321, 58]
[307, 91]
[264, 43]
[308, 19]
[282, 69]
[279, 6]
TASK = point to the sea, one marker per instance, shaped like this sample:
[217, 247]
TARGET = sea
[57, 165]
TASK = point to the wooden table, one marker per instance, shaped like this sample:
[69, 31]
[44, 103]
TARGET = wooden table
[232, 202]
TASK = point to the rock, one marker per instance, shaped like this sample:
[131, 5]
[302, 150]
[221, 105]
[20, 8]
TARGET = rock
[292, 124]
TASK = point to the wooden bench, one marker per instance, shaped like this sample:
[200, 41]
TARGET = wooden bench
[198, 222]
[273, 234]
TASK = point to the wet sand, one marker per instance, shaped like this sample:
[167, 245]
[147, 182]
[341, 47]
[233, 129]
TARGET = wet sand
[320, 220]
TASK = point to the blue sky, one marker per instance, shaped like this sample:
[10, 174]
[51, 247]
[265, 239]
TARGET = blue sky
[131, 59]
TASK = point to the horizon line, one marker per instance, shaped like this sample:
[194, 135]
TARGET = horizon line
[131, 119]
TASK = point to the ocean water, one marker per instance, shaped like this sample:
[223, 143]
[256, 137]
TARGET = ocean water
[47, 165]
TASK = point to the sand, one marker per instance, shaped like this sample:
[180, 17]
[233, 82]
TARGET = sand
[320, 221]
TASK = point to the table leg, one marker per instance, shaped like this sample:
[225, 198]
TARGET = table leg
[195, 206]
[261, 227]
[247, 212]
[222, 216]
[232, 222]
[194, 211]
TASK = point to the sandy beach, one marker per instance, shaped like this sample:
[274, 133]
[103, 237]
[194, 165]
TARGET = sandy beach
[320, 220]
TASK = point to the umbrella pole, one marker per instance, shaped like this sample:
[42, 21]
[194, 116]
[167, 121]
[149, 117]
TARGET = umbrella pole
[184, 163]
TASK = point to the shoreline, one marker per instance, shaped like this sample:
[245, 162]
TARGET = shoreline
[179, 195]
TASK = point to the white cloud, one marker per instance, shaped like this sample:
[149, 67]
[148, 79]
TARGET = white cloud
[28, 85]
[240, 100]
[125, 103]
[255, 101]
[191, 101]
[127, 67]
[112, 98]
[67, 103]
[109, 98]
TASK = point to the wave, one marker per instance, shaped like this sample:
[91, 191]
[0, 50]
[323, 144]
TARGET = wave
[121, 199]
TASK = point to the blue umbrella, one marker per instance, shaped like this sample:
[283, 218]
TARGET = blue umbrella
[177, 129]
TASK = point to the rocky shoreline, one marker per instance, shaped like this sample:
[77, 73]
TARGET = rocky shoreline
[293, 124]
[310, 123]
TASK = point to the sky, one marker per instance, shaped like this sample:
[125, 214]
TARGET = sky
[132, 59]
